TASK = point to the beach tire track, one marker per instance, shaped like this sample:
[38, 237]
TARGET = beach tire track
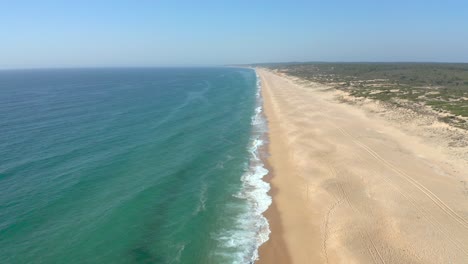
[433, 197]
[436, 224]
[444, 207]
[365, 236]
[338, 201]
[425, 214]
[326, 228]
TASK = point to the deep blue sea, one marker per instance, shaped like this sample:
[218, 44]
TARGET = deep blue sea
[150, 165]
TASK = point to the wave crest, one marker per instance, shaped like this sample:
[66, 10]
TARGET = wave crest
[251, 228]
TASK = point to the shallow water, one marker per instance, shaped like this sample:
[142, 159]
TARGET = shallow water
[131, 166]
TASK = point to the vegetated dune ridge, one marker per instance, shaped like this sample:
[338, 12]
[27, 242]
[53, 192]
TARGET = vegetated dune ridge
[353, 187]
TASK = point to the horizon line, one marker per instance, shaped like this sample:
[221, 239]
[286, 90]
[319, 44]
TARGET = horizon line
[224, 65]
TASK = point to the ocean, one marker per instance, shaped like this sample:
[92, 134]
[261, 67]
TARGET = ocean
[138, 165]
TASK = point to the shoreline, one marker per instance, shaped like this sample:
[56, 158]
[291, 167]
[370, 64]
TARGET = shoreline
[284, 245]
[274, 248]
[351, 187]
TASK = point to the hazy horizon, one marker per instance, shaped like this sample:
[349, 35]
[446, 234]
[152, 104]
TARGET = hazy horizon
[56, 34]
[224, 65]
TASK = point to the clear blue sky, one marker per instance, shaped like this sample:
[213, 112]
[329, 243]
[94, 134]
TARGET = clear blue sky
[153, 33]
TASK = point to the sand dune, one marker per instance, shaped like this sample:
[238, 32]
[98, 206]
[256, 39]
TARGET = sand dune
[352, 188]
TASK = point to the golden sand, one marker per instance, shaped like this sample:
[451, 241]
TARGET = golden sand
[351, 188]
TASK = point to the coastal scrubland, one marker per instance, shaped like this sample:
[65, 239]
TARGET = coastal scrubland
[440, 88]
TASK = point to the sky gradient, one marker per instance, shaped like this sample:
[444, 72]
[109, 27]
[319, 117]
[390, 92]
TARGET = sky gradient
[38, 34]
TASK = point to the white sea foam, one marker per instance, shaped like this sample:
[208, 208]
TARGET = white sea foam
[251, 229]
[201, 200]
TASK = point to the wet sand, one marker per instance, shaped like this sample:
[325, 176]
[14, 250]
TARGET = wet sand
[349, 187]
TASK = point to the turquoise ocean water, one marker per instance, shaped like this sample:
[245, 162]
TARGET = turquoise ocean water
[131, 166]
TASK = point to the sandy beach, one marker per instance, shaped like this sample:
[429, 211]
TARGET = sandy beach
[351, 187]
